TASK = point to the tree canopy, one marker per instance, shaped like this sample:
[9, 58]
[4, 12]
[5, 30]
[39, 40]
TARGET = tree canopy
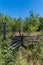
[32, 23]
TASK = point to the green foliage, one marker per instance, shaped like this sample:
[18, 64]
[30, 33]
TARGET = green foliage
[32, 23]
[20, 56]
[29, 24]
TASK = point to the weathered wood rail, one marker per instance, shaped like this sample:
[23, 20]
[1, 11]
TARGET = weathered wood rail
[29, 40]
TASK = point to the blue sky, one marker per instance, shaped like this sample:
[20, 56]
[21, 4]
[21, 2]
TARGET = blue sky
[20, 8]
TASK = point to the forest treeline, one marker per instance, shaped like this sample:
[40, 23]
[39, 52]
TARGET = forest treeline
[33, 23]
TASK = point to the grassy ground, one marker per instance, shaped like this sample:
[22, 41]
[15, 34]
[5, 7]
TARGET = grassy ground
[21, 56]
